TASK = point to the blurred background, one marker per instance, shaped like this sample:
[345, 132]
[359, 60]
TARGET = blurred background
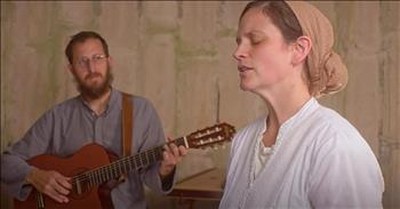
[178, 54]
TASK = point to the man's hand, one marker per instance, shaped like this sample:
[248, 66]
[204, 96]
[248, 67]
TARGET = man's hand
[50, 183]
[172, 155]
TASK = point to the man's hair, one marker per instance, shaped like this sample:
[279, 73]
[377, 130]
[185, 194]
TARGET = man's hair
[82, 37]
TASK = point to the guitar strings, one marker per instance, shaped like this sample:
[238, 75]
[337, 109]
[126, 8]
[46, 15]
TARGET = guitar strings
[116, 168]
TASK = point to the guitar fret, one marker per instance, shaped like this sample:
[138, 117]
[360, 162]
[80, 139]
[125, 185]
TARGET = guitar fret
[105, 174]
[129, 167]
[91, 179]
[97, 176]
[143, 159]
[102, 174]
[140, 158]
[111, 173]
[92, 175]
[138, 163]
[108, 173]
[86, 177]
[114, 170]
[149, 157]
[133, 163]
[120, 168]
[153, 156]
[117, 170]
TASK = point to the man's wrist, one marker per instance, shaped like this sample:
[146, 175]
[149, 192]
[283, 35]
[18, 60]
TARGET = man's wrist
[167, 180]
[28, 177]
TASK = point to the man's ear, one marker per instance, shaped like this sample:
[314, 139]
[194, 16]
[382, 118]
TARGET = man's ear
[302, 48]
[110, 61]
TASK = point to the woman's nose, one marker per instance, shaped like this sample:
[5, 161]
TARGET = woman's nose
[239, 53]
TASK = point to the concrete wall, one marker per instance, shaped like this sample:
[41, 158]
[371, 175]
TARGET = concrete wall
[178, 54]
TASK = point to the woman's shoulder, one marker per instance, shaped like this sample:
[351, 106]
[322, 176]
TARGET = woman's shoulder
[330, 127]
[330, 118]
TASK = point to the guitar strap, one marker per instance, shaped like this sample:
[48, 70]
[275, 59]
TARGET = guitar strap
[104, 191]
[127, 124]
[127, 133]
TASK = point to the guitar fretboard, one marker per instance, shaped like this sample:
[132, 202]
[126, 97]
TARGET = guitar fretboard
[122, 166]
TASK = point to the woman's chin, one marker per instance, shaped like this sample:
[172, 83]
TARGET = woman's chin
[245, 87]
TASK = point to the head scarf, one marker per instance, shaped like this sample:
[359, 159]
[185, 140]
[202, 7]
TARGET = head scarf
[327, 72]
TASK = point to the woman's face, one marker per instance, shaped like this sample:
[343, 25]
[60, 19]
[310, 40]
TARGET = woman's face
[263, 57]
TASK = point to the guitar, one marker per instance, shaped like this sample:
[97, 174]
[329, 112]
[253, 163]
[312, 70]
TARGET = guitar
[90, 169]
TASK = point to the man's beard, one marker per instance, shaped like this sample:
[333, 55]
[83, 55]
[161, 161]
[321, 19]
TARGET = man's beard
[95, 91]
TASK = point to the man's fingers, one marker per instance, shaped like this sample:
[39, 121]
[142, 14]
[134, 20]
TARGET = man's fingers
[58, 197]
[62, 187]
[51, 190]
[56, 186]
[65, 182]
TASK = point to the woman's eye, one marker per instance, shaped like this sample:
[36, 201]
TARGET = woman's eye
[255, 41]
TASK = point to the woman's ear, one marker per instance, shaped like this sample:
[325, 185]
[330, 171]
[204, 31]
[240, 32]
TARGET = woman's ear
[70, 67]
[302, 48]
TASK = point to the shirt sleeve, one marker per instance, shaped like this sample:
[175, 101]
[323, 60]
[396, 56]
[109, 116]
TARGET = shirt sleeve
[14, 167]
[345, 174]
[154, 136]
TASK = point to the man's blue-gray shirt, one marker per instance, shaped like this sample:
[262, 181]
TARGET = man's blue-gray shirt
[68, 126]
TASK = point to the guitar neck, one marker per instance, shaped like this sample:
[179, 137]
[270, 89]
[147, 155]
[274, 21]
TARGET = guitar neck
[123, 166]
[199, 139]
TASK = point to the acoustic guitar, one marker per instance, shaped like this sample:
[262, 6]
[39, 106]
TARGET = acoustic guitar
[90, 168]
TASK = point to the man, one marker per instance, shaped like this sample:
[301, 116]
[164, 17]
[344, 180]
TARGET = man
[94, 116]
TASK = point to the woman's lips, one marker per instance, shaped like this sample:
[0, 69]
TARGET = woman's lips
[243, 68]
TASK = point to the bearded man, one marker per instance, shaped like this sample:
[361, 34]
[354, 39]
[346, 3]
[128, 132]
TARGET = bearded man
[92, 117]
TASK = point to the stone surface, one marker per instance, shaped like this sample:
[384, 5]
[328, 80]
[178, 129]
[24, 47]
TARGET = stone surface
[179, 55]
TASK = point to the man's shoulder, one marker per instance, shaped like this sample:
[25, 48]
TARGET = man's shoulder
[67, 104]
[137, 99]
[140, 103]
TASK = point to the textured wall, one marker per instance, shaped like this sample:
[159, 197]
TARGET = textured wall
[178, 54]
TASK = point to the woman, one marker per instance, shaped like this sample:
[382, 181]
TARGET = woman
[301, 154]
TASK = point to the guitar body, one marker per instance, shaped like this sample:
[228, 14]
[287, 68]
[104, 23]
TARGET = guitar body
[87, 158]
[92, 166]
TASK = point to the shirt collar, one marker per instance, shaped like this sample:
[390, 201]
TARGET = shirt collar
[304, 110]
[307, 108]
[111, 103]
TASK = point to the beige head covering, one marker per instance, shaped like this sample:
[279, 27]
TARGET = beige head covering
[328, 74]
